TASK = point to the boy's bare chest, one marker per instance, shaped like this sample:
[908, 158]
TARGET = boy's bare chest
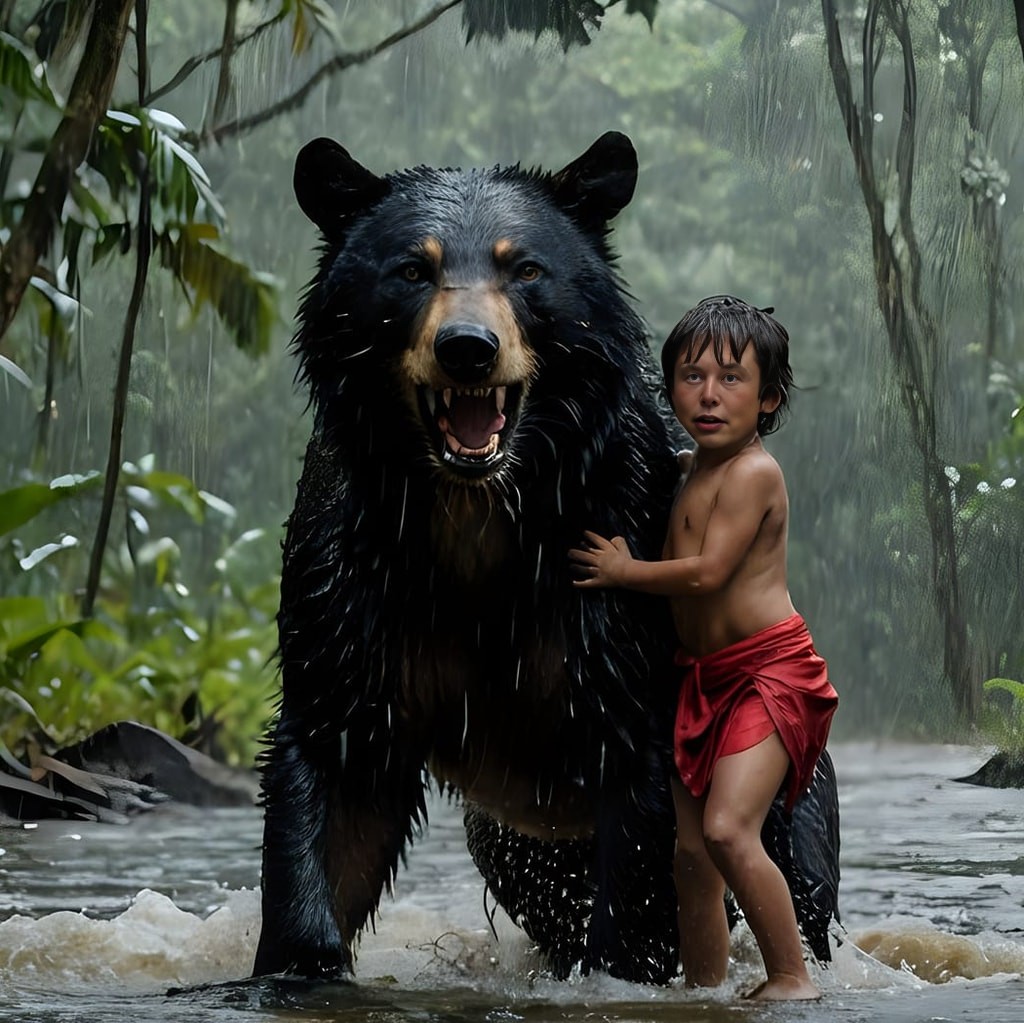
[690, 514]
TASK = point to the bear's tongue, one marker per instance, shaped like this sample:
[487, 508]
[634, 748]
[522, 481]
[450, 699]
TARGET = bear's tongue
[472, 420]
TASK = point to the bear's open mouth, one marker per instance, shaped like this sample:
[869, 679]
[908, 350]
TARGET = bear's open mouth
[471, 423]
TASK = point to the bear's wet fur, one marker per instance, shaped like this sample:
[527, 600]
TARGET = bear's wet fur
[481, 395]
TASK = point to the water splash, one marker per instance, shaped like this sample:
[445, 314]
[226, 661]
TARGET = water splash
[150, 946]
[938, 957]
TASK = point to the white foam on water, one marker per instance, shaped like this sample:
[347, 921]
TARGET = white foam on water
[414, 947]
[151, 945]
[154, 945]
[936, 956]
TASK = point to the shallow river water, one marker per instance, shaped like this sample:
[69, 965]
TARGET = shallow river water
[157, 921]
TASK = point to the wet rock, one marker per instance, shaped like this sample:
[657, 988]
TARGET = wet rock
[129, 751]
[122, 769]
[1003, 771]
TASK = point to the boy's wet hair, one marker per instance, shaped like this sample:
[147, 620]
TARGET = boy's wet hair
[723, 319]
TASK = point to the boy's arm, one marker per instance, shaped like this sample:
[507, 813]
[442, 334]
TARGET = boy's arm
[749, 491]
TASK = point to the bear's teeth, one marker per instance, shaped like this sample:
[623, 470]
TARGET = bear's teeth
[431, 399]
[454, 447]
[499, 397]
[446, 397]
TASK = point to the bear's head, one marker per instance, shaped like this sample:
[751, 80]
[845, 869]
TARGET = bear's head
[467, 321]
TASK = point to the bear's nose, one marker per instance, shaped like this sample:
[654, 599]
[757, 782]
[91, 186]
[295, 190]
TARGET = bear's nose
[467, 352]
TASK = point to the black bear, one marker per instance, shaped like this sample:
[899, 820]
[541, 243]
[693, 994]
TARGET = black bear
[481, 394]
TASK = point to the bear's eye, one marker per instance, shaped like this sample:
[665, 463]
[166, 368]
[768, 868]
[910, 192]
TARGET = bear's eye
[528, 272]
[411, 272]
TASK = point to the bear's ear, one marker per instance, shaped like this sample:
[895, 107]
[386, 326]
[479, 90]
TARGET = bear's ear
[331, 186]
[597, 185]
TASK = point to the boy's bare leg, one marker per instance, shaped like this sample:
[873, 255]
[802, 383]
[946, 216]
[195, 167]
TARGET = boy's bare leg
[743, 786]
[700, 890]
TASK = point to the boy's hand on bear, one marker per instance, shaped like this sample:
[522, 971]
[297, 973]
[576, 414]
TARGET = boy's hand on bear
[602, 562]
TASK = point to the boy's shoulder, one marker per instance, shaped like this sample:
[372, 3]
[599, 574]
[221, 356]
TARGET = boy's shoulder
[753, 467]
[684, 459]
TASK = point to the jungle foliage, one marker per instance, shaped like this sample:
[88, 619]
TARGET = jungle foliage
[859, 166]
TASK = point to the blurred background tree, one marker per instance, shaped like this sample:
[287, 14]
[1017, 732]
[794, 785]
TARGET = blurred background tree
[858, 166]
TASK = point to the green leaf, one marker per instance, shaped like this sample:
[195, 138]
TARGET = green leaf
[170, 487]
[181, 188]
[161, 554]
[18, 612]
[237, 547]
[571, 20]
[646, 8]
[307, 16]
[42, 553]
[22, 74]
[245, 300]
[187, 217]
[91, 210]
[11, 369]
[217, 504]
[63, 304]
[110, 237]
[29, 642]
[19, 701]
[124, 118]
[24, 503]
[20, 607]
[66, 650]
[1009, 685]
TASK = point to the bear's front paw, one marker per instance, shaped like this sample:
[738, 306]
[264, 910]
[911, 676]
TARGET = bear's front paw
[315, 960]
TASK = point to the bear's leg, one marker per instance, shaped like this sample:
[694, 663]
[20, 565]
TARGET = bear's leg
[299, 932]
[338, 815]
[633, 931]
[542, 886]
[806, 848]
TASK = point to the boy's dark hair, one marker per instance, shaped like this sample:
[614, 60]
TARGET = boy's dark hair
[720, 319]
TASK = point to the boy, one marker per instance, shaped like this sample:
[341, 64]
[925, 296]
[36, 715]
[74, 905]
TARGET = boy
[755, 702]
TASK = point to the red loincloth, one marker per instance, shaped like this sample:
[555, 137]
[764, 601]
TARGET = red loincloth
[731, 699]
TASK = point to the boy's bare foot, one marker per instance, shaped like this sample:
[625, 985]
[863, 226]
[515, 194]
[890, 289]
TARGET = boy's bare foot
[785, 988]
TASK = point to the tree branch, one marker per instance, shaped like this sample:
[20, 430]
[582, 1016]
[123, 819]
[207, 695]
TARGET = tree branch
[194, 63]
[872, 59]
[1019, 7]
[847, 105]
[341, 62]
[729, 9]
[87, 103]
[906, 144]
[227, 52]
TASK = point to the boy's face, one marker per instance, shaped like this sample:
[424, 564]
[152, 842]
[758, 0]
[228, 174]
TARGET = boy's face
[718, 403]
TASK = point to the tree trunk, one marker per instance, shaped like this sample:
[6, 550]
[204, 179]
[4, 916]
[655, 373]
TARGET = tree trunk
[87, 103]
[227, 52]
[144, 236]
[914, 338]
